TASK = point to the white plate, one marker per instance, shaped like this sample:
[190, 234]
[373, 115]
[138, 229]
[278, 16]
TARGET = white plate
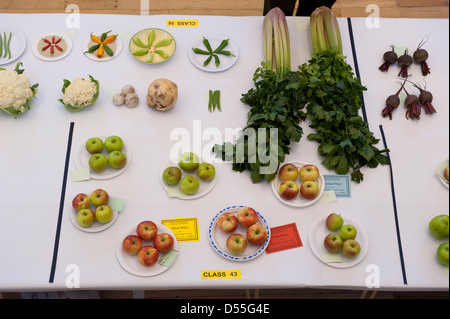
[17, 45]
[58, 35]
[299, 201]
[318, 231]
[96, 226]
[81, 160]
[131, 263]
[440, 172]
[106, 56]
[218, 238]
[226, 62]
[205, 187]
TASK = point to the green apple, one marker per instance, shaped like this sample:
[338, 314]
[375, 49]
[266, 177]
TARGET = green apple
[442, 254]
[113, 143]
[334, 222]
[189, 185]
[188, 162]
[347, 232]
[438, 226]
[94, 145]
[85, 217]
[98, 162]
[117, 159]
[99, 197]
[104, 214]
[206, 171]
[351, 248]
[172, 175]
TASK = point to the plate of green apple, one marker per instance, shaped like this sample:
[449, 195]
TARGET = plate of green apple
[105, 156]
[338, 241]
[188, 177]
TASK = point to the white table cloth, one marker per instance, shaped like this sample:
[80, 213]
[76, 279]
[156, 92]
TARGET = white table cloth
[33, 157]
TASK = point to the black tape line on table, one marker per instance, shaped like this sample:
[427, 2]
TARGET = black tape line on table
[61, 203]
[394, 203]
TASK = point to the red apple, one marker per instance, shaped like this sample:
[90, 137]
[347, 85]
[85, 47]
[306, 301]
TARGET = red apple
[309, 189]
[236, 244]
[446, 173]
[227, 222]
[351, 248]
[148, 255]
[81, 201]
[247, 216]
[256, 234]
[99, 197]
[288, 190]
[288, 172]
[147, 230]
[309, 173]
[333, 243]
[132, 244]
[163, 242]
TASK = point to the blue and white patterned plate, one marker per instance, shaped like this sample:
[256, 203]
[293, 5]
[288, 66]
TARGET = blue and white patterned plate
[218, 239]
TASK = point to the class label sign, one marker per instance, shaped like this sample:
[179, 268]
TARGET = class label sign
[182, 23]
[221, 274]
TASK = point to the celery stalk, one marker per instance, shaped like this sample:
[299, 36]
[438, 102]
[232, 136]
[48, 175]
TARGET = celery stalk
[268, 42]
[276, 41]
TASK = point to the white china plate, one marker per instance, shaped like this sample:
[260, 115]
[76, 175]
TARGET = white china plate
[226, 62]
[299, 201]
[218, 239]
[106, 56]
[318, 231]
[57, 35]
[96, 226]
[17, 45]
[205, 186]
[131, 263]
[81, 160]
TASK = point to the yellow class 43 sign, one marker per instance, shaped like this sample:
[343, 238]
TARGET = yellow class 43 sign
[221, 274]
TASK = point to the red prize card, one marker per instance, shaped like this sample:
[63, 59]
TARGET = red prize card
[283, 238]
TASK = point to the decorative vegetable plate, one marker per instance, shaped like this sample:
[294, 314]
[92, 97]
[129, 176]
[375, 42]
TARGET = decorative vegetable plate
[226, 61]
[299, 201]
[175, 191]
[218, 239]
[81, 160]
[17, 45]
[440, 172]
[152, 46]
[52, 46]
[115, 46]
[96, 226]
[131, 263]
[318, 231]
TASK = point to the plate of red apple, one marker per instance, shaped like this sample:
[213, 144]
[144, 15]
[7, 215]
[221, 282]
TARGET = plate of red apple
[298, 184]
[188, 177]
[239, 233]
[105, 156]
[92, 213]
[142, 247]
[338, 241]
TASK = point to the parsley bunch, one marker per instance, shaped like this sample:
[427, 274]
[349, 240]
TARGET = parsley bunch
[275, 103]
[333, 98]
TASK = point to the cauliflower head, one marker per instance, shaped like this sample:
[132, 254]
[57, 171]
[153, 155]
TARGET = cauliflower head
[80, 93]
[15, 91]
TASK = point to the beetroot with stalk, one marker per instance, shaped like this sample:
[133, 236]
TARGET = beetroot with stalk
[404, 62]
[420, 56]
[389, 57]
[413, 105]
[425, 99]
[392, 102]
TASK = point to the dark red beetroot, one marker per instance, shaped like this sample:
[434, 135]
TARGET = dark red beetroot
[420, 56]
[413, 105]
[426, 99]
[392, 102]
[389, 57]
[404, 62]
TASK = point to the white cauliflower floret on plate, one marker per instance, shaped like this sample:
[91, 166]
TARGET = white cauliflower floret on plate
[15, 89]
[79, 93]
